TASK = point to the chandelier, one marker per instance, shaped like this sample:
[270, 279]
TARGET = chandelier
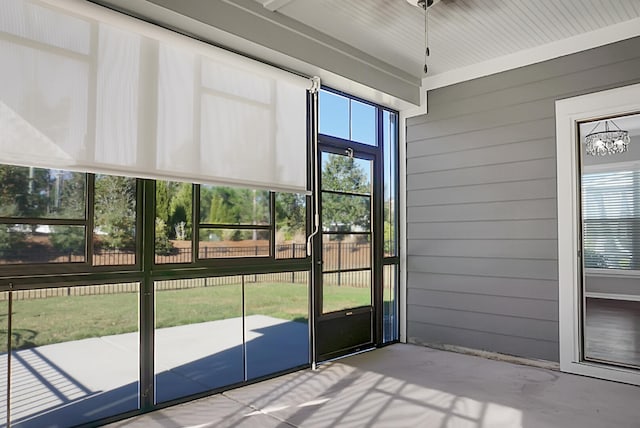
[607, 142]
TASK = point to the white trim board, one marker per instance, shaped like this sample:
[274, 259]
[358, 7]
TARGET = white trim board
[569, 112]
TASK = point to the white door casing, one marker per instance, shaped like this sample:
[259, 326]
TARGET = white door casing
[569, 112]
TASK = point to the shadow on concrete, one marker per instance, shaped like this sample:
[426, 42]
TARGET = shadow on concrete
[274, 348]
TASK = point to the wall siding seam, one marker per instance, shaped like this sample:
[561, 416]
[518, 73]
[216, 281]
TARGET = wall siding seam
[500, 314]
[455, 204]
[549, 120]
[473, 166]
[537, 299]
[434, 140]
[491, 128]
[484, 183]
[480, 221]
[486, 257]
[479, 275]
[410, 239]
[432, 290]
[453, 238]
[554, 342]
[554, 281]
[488, 201]
[489, 110]
[537, 259]
[471, 149]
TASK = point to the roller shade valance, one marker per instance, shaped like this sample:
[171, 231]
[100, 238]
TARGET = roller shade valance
[85, 88]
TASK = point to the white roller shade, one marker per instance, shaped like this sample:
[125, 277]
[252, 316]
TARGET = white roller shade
[85, 88]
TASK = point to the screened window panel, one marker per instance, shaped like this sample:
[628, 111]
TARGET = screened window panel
[611, 220]
[88, 89]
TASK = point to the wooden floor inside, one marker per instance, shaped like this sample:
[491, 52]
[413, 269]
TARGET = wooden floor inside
[612, 331]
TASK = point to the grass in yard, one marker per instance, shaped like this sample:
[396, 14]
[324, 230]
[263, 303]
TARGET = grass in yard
[179, 307]
[38, 322]
[335, 298]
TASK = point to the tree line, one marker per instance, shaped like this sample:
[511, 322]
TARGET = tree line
[38, 193]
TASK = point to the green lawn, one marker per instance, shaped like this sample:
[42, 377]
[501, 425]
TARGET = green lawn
[39, 322]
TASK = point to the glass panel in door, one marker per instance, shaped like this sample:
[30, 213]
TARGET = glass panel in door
[346, 232]
[610, 184]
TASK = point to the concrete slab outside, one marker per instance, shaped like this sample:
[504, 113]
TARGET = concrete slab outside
[75, 382]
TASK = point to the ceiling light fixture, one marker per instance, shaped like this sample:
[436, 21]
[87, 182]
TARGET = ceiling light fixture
[607, 142]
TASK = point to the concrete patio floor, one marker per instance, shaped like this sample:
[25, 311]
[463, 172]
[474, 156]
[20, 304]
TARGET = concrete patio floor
[75, 382]
[412, 386]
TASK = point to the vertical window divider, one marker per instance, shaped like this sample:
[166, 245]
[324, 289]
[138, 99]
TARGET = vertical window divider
[244, 334]
[9, 351]
[90, 186]
[195, 223]
[147, 303]
[272, 224]
[378, 230]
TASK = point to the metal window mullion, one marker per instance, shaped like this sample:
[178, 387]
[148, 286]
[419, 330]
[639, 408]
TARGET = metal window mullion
[346, 193]
[272, 224]
[244, 333]
[195, 223]
[377, 252]
[236, 226]
[90, 208]
[43, 221]
[396, 221]
[147, 299]
[9, 351]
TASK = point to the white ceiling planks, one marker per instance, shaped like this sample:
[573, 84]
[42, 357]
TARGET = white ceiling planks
[462, 33]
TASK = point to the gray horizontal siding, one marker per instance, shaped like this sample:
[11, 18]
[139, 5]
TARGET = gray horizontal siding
[510, 210]
[498, 229]
[482, 248]
[495, 136]
[425, 333]
[507, 268]
[535, 289]
[506, 153]
[481, 196]
[484, 174]
[535, 309]
[495, 192]
[506, 325]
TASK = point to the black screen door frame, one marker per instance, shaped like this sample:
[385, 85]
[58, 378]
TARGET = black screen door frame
[354, 329]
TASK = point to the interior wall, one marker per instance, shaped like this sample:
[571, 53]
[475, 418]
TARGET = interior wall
[481, 203]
